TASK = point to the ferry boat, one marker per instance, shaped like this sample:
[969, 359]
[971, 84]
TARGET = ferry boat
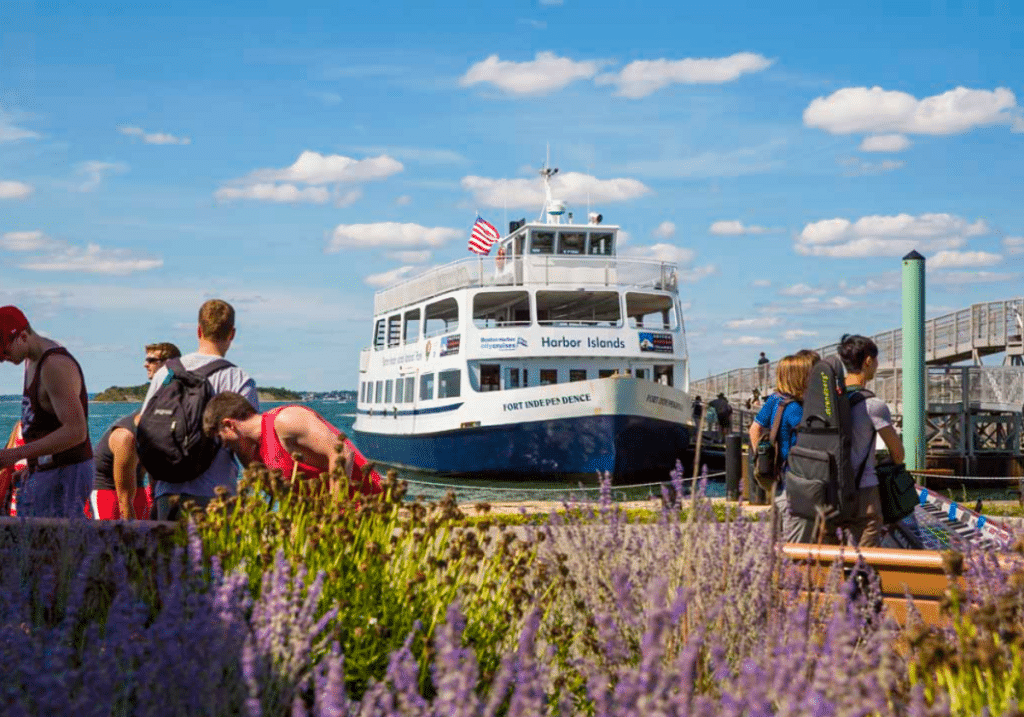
[554, 359]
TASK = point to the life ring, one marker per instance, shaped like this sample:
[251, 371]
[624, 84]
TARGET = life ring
[499, 258]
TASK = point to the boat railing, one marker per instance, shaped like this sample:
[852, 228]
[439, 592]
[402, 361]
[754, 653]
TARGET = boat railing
[534, 270]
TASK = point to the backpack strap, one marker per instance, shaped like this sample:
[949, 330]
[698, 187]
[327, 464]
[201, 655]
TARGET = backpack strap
[777, 418]
[858, 397]
[207, 370]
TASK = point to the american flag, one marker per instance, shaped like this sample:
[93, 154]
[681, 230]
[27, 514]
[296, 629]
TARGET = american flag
[483, 237]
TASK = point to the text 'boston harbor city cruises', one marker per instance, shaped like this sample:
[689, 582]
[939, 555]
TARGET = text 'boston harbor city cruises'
[552, 358]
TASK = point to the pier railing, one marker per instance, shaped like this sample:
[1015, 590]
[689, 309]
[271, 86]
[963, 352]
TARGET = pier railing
[551, 270]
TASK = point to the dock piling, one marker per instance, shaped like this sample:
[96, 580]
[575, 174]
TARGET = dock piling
[913, 365]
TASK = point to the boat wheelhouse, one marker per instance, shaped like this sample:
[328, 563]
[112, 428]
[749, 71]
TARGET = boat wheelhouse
[553, 357]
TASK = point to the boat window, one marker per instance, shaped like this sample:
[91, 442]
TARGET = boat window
[378, 335]
[448, 385]
[572, 242]
[651, 311]
[606, 372]
[410, 385]
[600, 243]
[378, 392]
[577, 374]
[399, 386]
[394, 330]
[512, 378]
[542, 243]
[426, 386]
[412, 326]
[641, 373]
[489, 376]
[441, 317]
[501, 308]
[387, 391]
[578, 308]
[548, 376]
[663, 374]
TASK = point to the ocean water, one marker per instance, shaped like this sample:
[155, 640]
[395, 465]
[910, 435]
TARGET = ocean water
[342, 415]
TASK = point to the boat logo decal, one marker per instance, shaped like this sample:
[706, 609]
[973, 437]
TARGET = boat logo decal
[502, 343]
[657, 343]
[450, 344]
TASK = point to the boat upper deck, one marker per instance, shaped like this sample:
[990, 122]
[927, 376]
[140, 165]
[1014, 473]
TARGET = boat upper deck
[564, 255]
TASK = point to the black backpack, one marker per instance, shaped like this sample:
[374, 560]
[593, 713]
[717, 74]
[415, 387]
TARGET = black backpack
[767, 456]
[169, 437]
[821, 477]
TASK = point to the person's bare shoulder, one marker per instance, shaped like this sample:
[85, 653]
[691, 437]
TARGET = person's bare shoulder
[121, 439]
[294, 421]
[59, 375]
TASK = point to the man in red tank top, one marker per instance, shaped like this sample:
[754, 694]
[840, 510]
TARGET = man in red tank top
[54, 421]
[272, 438]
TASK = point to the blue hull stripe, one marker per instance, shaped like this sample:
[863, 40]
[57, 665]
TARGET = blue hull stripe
[414, 412]
[629, 447]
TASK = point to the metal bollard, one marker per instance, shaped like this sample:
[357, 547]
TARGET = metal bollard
[733, 465]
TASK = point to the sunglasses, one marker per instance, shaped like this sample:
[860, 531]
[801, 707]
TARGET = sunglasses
[153, 359]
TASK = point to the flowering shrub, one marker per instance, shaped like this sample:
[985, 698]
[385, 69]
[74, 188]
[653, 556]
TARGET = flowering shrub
[250, 611]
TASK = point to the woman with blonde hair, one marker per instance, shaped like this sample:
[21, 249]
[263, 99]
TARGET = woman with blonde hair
[790, 383]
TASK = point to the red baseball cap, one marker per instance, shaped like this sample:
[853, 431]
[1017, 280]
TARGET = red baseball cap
[12, 322]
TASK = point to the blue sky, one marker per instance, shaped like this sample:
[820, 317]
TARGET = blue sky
[291, 157]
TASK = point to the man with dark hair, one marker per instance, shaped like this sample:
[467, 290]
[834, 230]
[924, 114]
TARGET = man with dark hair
[157, 355]
[215, 331]
[276, 436]
[54, 420]
[860, 359]
[723, 413]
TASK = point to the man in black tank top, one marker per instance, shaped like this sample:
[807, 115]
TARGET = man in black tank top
[117, 491]
[54, 420]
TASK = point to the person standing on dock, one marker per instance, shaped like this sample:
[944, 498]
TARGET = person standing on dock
[723, 413]
[215, 331]
[54, 420]
[276, 436]
[860, 359]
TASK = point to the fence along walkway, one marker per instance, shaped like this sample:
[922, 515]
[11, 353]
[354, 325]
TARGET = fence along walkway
[968, 334]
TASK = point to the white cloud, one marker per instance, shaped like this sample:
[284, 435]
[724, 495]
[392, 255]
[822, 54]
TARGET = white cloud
[735, 227]
[316, 171]
[888, 281]
[266, 192]
[857, 167]
[662, 252]
[754, 323]
[962, 259]
[93, 259]
[885, 143]
[94, 172]
[25, 241]
[9, 132]
[665, 230]
[15, 190]
[421, 155]
[1014, 245]
[643, 77]
[571, 187]
[544, 74]
[388, 278]
[958, 278]
[697, 273]
[748, 341]
[794, 334]
[411, 257]
[153, 137]
[874, 110]
[801, 290]
[403, 201]
[874, 236]
[761, 283]
[390, 234]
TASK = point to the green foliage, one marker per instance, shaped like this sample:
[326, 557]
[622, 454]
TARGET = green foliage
[390, 566]
[122, 394]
